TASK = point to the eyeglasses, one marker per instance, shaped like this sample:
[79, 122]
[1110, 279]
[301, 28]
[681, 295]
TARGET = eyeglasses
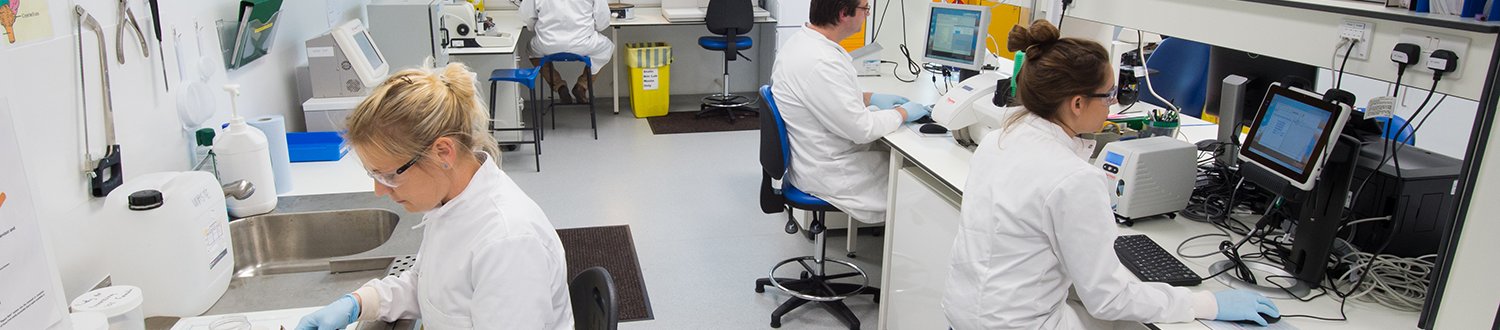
[389, 179]
[866, 8]
[1110, 98]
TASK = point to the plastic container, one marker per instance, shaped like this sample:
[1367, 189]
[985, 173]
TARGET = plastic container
[89, 321]
[171, 238]
[121, 304]
[315, 146]
[1160, 128]
[650, 77]
[243, 154]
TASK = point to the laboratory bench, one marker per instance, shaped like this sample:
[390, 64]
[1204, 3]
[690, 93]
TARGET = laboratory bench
[927, 177]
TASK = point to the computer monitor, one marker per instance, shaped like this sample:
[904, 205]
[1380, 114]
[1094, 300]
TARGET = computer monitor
[956, 35]
[354, 41]
[1261, 71]
[1291, 135]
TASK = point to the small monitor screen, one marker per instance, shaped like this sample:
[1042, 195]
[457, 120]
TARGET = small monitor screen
[954, 34]
[371, 55]
[1290, 131]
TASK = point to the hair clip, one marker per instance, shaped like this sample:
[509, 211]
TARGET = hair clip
[407, 79]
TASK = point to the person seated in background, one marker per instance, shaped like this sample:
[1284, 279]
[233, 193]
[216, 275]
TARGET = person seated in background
[831, 123]
[1036, 219]
[489, 256]
[568, 26]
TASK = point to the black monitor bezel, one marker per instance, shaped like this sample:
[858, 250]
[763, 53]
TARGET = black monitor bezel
[1303, 180]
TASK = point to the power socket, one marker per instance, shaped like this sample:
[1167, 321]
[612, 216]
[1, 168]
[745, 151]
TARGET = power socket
[1430, 41]
[1362, 32]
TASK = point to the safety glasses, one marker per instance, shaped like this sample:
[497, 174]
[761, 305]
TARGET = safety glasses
[389, 179]
[1110, 98]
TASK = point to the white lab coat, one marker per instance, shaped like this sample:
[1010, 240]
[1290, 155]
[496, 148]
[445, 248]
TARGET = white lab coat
[489, 259]
[831, 131]
[1036, 224]
[569, 26]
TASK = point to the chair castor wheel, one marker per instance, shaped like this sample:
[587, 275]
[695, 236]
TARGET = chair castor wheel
[805, 275]
[775, 324]
[509, 147]
[850, 255]
[760, 288]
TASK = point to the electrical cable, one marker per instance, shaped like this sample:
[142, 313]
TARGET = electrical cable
[1340, 81]
[1360, 190]
[1140, 51]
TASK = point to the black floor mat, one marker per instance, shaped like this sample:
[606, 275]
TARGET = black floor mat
[610, 247]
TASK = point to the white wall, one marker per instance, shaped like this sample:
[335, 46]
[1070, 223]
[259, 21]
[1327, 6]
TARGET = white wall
[1446, 132]
[43, 87]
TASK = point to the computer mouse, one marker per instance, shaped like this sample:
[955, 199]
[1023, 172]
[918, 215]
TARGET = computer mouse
[925, 120]
[1270, 319]
[932, 129]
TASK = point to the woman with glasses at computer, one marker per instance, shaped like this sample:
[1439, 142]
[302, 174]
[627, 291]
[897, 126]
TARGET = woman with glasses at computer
[489, 257]
[1036, 220]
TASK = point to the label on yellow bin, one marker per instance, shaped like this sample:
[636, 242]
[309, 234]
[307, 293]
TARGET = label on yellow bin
[649, 79]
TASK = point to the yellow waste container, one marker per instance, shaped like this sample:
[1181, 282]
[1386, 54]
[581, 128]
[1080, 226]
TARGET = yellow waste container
[650, 72]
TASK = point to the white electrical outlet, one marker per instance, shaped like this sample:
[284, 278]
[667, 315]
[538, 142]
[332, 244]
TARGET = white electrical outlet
[1430, 41]
[1362, 33]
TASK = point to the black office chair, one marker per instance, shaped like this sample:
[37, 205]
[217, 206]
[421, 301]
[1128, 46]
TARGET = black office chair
[730, 20]
[592, 293]
[814, 284]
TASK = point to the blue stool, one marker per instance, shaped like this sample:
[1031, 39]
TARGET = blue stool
[588, 66]
[526, 77]
[815, 284]
[729, 20]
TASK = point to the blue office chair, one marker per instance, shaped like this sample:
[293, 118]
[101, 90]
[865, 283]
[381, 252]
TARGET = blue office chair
[1179, 72]
[526, 77]
[814, 285]
[729, 20]
[588, 66]
[1389, 126]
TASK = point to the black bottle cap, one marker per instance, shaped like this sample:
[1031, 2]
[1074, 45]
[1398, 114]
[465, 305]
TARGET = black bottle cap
[145, 200]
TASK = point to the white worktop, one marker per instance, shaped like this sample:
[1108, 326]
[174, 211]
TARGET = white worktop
[346, 175]
[507, 23]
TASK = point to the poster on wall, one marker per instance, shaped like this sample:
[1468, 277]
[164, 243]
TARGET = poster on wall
[28, 299]
[24, 21]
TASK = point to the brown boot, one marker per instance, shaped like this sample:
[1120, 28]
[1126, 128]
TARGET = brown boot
[581, 93]
[562, 94]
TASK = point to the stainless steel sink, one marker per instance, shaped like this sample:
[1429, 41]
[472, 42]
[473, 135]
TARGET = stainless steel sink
[305, 242]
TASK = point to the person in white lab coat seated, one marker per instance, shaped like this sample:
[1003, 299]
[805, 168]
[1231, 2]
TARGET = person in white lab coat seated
[1036, 219]
[831, 123]
[568, 26]
[489, 257]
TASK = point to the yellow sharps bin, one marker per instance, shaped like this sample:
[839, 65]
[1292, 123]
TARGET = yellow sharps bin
[650, 72]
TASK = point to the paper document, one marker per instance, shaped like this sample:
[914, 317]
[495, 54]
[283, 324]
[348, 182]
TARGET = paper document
[28, 299]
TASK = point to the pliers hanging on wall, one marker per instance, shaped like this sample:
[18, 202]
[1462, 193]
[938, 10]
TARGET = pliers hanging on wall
[128, 16]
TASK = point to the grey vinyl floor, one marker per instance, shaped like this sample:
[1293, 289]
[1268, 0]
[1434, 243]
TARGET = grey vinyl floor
[691, 201]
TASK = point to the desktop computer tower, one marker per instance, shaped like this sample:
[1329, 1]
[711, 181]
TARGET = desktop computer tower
[1419, 200]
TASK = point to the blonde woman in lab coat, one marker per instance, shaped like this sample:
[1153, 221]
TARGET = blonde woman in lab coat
[489, 258]
[568, 26]
[1036, 219]
[830, 121]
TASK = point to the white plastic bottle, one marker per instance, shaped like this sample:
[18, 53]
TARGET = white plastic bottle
[171, 239]
[242, 154]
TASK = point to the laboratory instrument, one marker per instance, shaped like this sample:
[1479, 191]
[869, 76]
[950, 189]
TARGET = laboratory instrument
[106, 174]
[243, 153]
[173, 240]
[1151, 263]
[409, 32]
[969, 111]
[128, 16]
[464, 28]
[1416, 193]
[345, 61]
[1149, 176]
[956, 35]
[622, 11]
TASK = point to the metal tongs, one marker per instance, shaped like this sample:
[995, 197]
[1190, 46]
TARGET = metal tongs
[127, 15]
[107, 174]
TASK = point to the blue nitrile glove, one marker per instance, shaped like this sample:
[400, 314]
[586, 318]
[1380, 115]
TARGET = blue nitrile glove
[915, 110]
[1241, 305]
[886, 101]
[336, 315]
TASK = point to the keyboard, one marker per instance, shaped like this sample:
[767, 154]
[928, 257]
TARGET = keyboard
[1151, 263]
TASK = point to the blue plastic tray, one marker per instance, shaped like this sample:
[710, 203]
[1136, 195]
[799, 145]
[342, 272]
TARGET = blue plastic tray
[315, 146]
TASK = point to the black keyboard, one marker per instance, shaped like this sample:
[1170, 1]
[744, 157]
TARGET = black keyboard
[1151, 263]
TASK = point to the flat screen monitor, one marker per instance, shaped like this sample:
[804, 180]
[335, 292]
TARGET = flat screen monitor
[354, 41]
[956, 35]
[1261, 70]
[1292, 134]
